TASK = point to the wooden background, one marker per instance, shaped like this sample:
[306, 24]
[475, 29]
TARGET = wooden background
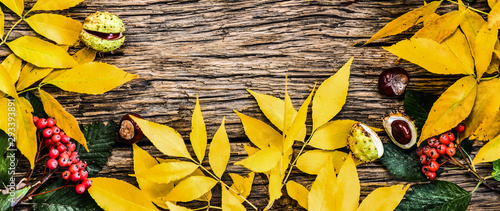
[218, 49]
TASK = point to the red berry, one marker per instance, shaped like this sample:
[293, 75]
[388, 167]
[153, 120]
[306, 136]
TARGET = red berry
[441, 149]
[66, 175]
[73, 168]
[63, 161]
[75, 158]
[433, 166]
[82, 164]
[430, 175]
[47, 142]
[80, 188]
[51, 122]
[75, 176]
[55, 130]
[71, 146]
[61, 148]
[41, 123]
[433, 154]
[35, 119]
[52, 163]
[87, 183]
[426, 149]
[450, 151]
[47, 133]
[444, 139]
[53, 153]
[420, 151]
[452, 145]
[451, 136]
[424, 160]
[56, 138]
[83, 174]
[460, 127]
[432, 142]
[425, 169]
[64, 138]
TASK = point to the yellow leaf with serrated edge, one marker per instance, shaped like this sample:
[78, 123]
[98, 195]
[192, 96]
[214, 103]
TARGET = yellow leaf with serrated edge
[55, 4]
[168, 172]
[331, 96]
[58, 28]
[297, 192]
[312, 161]
[4, 115]
[332, 135]
[430, 55]
[13, 66]
[220, 150]
[26, 130]
[191, 188]
[348, 181]
[384, 198]
[324, 191]
[17, 6]
[173, 207]
[41, 53]
[114, 194]
[2, 23]
[441, 27]
[262, 161]
[242, 185]
[405, 21]
[489, 152]
[485, 43]
[198, 134]
[458, 45]
[85, 55]
[298, 122]
[470, 26]
[494, 17]
[451, 108]
[260, 133]
[65, 120]
[6, 83]
[275, 179]
[489, 128]
[90, 78]
[31, 74]
[142, 162]
[229, 201]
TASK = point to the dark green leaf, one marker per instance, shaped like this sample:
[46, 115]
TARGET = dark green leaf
[496, 170]
[417, 105]
[466, 145]
[65, 199]
[100, 139]
[5, 161]
[37, 105]
[438, 195]
[7, 199]
[402, 163]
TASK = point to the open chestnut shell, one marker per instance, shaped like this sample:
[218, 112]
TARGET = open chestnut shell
[129, 132]
[392, 82]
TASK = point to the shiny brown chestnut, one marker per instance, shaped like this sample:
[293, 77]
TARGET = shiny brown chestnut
[392, 82]
[129, 132]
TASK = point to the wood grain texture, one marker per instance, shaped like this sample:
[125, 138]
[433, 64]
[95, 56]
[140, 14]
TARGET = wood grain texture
[218, 49]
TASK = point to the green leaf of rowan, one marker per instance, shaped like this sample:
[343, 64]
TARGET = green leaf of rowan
[438, 195]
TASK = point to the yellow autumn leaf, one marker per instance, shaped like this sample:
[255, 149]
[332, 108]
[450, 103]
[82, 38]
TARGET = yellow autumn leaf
[168, 172]
[250, 150]
[260, 133]
[4, 116]
[6, 83]
[220, 150]
[65, 120]
[441, 27]
[26, 130]
[229, 201]
[142, 162]
[325, 192]
[494, 17]
[13, 66]
[31, 74]
[274, 188]
[2, 23]
[348, 181]
[492, 3]
[17, 6]
[312, 161]
[484, 46]
[430, 55]
[451, 108]
[173, 207]
[298, 122]
[384, 198]
[190, 188]
[297, 192]
[85, 55]
[242, 185]
[54, 4]
[470, 26]
[405, 21]
[289, 111]
[457, 44]
[489, 152]
[488, 129]
[262, 161]
[114, 194]
[332, 135]
[41, 53]
[198, 134]
[58, 28]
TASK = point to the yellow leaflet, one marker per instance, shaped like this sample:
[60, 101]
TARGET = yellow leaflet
[451, 108]
[489, 128]
[17, 6]
[173, 207]
[260, 133]
[90, 78]
[324, 191]
[31, 74]
[348, 181]
[297, 192]
[229, 201]
[242, 185]
[405, 21]
[13, 65]
[26, 130]
[312, 161]
[458, 45]
[430, 55]
[331, 96]
[6, 83]
[485, 43]
[198, 134]
[470, 26]
[489, 152]
[85, 55]
[206, 196]
[4, 114]
[332, 135]
[250, 150]
[384, 198]
[275, 178]
[113, 194]
[494, 17]
[220, 150]
[2, 23]
[262, 161]
[492, 3]
[65, 120]
[191, 188]
[441, 27]
[299, 122]
[168, 172]
[55, 4]
[142, 162]
[59, 28]
[41, 53]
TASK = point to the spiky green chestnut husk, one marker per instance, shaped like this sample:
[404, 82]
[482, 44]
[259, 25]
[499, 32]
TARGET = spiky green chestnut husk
[103, 31]
[365, 143]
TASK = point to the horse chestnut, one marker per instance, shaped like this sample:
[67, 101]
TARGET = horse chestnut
[129, 131]
[392, 82]
[103, 31]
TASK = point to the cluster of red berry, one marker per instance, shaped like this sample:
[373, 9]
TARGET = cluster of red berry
[62, 153]
[439, 146]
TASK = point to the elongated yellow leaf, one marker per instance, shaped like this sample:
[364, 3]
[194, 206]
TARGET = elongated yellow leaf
[59, 28]
[441, 27]
[198, 134]
[299, 122]
[26, 130]
[91, 78]
[191, 188]
[492, 3]
[142, 162]
[220, 150]
[168, 172]
[260, 133]
[332, 135]
[242, 185]
[289, 111]
[174, 207]
[297, 192]
[457, 44]
[262, 161]
[229, 201]
[275, 179]
[17, 6]
[2, 23]
[429, 55]
[13, 66]
[451, 108]
[485, 43]
[405, 21]
[65, 120]
[114, 194]
[348, 181]
[331, 96]
[250, 150]
[489, 128]
[6, 83]
[85, 55]
[55, 4]
[325, 191]
[470, 26]
[384, 198]
[4, 114]
[41, 53]
[494, 17]
[312, 161]
[31, 74]
[489, 152]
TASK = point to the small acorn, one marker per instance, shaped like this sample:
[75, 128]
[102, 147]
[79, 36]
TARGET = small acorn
[129, 132]
[365, 143]
[103, 31]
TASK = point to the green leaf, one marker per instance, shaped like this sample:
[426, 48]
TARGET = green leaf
[496, 170]
[402, 163]
[37, 105]
[417, 105]
[4, 161]
[438, 195]
[65, 199]
[6, 199]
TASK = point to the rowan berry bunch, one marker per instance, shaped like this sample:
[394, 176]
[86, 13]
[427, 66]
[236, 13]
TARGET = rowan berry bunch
[62, 154]
[438, 149]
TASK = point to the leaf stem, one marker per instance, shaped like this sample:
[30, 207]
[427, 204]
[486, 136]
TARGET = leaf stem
[10, 30]
[468, 7]
[27, 90]
[64, 186]
[477, 186]
[296, 159]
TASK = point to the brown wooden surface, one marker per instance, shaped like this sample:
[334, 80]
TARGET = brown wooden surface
[218, 49]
